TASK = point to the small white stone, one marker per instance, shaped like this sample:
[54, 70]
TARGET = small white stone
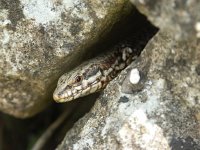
[197, 26]
[134, 76]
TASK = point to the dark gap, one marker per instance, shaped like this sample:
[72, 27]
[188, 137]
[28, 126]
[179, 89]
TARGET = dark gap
[133, 28]
[21, 134]
[82, 106]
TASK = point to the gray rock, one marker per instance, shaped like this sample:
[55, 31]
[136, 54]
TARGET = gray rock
[39, 40]
[162, 112]
[179, 18]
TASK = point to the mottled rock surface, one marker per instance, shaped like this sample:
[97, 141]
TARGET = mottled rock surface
[179, 18]
[162, 110]
[39, 40]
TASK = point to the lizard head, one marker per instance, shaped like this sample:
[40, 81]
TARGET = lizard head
[78, 83]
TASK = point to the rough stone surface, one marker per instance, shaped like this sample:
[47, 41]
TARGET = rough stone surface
[39, 40]
[164, 113]
[179, 18]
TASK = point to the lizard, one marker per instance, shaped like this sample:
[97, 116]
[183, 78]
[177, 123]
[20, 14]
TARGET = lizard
[93, 75]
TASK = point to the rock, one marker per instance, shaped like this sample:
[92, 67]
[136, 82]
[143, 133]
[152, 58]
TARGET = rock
[179, 18]
[164, 113]
[40, 40]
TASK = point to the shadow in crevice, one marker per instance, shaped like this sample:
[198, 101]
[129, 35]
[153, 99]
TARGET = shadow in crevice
[135, 26]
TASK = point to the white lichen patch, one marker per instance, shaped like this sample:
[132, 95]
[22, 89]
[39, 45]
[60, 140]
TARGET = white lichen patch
[153, 93]
[111, 122]
[3, 15]
[4, 18]
[46, 11]
[139, 130]
[5, 38]
[41, 11]
[4, 34]
[76, 24]
[4, 22]
[134, 76]
[87, 142]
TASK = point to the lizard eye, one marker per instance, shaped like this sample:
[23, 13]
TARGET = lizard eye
[78, 78]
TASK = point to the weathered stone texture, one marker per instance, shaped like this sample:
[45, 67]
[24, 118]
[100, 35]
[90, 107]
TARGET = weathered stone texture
[179, 18]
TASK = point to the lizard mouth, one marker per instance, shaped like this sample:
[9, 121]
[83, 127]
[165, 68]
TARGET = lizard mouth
[65, 95]
[70, 94]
